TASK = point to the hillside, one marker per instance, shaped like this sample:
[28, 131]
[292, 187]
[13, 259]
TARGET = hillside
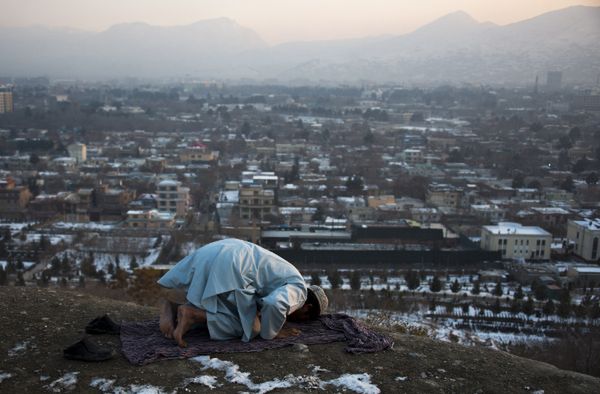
[38, 323]
[454, 48]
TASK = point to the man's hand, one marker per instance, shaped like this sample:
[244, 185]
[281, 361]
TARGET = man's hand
[286, 332]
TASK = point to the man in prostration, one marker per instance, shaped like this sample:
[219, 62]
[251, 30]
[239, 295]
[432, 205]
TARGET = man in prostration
[237, 290]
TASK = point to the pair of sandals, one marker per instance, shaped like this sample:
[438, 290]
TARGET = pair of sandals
[85, 349]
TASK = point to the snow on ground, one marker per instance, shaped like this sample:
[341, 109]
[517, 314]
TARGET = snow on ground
[206, 380]
[19, 348]
[65, 383]
[359, 383]
[234, 375]
[401, 378]
[108, 386]
[85, 226]
[16, 227]
[54, 239]
[4, 376]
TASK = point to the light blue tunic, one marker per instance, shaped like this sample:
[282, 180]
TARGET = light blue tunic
[232, 279]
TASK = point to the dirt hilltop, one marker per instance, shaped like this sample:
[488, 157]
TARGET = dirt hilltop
[36, 324]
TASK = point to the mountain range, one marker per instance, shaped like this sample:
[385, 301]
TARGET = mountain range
[453, 49]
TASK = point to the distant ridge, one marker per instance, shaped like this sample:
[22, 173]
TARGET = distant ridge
[452, 49]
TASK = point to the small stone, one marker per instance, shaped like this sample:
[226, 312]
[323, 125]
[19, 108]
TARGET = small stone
[300, 348]
[423, 375]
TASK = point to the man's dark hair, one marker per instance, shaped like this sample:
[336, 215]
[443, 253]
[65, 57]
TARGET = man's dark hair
[315, 309]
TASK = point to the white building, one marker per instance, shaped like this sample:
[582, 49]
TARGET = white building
[78, 152]
[584, 235]
[413, 156]
[172, 197]
[516, 241]
[150, 219]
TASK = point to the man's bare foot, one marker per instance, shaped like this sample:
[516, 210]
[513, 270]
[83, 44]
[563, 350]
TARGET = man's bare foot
[286, 332]
[187, 316]
[167, 318]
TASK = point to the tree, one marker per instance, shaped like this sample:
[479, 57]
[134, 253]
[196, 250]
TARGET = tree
[536, 127]
[591, 178]
[541, 292]
[515, 306]
[3, 276]
[475, 290]
[574, 134]
[88, 268]
[369, 138]
[335, 279]
[20, 280]
[355, 184]
[568, 184]
[563, 160]
[548, 308]
[581, 165]
[497, 307]
[498, 289]
[564, 306]
[518, 181]
[315, 279]
[529, 307]
[594, 311]
[65, 266]
[133, 264]
[455, 287]
[355, 280]
[7, 235]
[120, 278]
[435, 285]
[412, 279]
[519, 293]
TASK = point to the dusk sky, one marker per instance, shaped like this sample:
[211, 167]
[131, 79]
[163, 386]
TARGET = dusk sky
[275, 20]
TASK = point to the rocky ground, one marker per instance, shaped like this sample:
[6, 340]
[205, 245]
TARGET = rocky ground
[36, 324]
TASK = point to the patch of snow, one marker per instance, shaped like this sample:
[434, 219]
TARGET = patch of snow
[18, 349]
[359, 383]
[401, 378]
[107, 386]
[65, 383]
[102, 384]
[4, 376]
[87, 226]
[234, 375]
[207, 380]
[316, 369]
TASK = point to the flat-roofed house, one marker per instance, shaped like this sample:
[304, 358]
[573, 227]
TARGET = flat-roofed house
[516, 241]
[584, 235]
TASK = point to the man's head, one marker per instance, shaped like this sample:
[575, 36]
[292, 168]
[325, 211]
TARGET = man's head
[315, 305]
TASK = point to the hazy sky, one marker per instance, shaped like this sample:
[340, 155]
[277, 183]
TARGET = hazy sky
[275, 20]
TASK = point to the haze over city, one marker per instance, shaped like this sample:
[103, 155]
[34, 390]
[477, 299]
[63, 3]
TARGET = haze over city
[276, 21]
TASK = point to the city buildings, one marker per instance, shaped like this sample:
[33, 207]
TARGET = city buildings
[173, 197]
[516, 241]
[584, 236]
[6, 100]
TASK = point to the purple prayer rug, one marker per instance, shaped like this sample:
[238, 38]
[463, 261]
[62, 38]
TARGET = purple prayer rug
[143, 343]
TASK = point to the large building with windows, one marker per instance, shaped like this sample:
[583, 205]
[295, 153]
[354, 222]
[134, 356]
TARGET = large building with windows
[172, 197]
[584, 235]
[516, 241]
[6, 100]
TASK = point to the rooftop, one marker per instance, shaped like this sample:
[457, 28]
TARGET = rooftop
[516, 229]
